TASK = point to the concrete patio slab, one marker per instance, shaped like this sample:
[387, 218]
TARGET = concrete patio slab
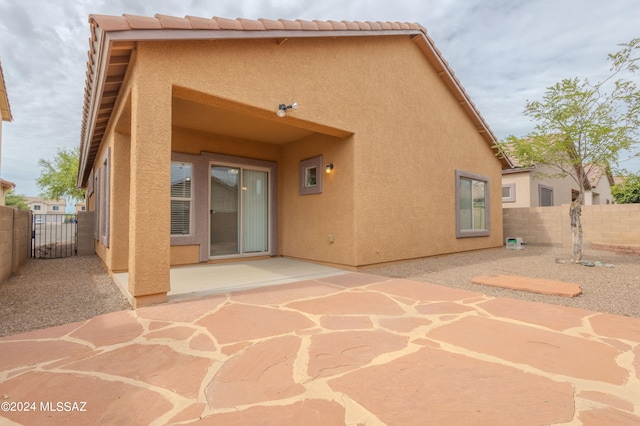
[201, 280]
[534, 285]
[353, 349]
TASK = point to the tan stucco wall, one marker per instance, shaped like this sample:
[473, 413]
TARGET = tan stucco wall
[612, 224]
[391, 195]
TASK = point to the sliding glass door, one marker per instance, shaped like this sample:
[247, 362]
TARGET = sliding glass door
[239, 211]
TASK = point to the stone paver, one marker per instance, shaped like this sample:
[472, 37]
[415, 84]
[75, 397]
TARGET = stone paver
[534, 285]
[353, 349]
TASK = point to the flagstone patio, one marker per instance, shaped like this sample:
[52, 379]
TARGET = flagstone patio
[349, 349]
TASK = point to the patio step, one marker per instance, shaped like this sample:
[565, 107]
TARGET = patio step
[534, 285]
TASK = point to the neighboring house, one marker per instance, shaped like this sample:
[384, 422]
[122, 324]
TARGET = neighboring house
[192, 149]
[47, 210]
[536, 187]
[80, 207]
[5, 115]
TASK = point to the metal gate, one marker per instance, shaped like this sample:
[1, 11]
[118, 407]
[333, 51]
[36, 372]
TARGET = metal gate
[54, 236]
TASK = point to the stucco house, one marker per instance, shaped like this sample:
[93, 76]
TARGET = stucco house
[342, 143]
[5, 115]
[536, 186]
[47, 210]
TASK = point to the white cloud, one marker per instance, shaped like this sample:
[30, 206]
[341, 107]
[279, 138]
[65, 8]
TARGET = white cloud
[503, 52]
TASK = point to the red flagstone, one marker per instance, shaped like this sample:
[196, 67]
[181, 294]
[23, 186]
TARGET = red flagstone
[262, 372]
[334, 353]
[534, 285]
[541, 349]
[443, 308]
[309, 412]
[28, 353]
[158, 365]
[201, 342]
[109, 329]
[348, 349]
[551, 316]
[404, 324]
[349, 302]
[436, 387]
[606, 399]
[193, 411]
[171, 333]
[107, 401]
[616, 326]
[423, 292]
[608, 416]
[46, 333]
[181, 312]
[237, 323]
[332, 322]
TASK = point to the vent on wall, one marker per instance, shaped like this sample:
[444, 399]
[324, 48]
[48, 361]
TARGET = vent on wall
[514, 243]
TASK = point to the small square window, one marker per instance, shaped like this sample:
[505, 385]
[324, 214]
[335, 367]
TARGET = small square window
[509, 193]
[310, 176]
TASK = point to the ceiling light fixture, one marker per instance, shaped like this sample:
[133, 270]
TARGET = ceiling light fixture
[282, 109]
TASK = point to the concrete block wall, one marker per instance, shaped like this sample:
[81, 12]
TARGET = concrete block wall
[86, 239]
[15, 240]
[609, 224]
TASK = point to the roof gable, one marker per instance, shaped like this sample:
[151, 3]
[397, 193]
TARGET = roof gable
[113, 39]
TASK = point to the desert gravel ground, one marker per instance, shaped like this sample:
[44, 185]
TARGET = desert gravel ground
[50, 292]
[614, 289]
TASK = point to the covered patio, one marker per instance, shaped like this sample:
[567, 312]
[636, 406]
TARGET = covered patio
[190, 282]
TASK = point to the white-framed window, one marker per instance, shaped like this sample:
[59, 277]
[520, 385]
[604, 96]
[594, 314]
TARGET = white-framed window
[56, 208]
[545, 194]
[181, 197]
[106, 197]
[311, 176]
[36, 207]
[509, 193]
[472, 205]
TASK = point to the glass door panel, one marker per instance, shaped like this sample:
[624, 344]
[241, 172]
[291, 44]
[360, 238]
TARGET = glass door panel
[224, 213]
[255, 211]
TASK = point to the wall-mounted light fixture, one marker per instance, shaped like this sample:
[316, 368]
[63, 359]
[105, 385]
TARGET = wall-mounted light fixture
[282, 109]
[328, 168]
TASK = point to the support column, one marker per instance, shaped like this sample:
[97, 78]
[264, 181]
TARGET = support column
[149, 207]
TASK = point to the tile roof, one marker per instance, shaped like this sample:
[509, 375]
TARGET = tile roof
[5, 108]
[113, 39]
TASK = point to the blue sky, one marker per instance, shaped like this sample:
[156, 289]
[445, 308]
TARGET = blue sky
[504, 52]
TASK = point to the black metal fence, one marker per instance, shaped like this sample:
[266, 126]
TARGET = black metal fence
[54, 236]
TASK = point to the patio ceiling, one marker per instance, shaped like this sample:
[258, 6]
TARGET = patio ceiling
[212, 119]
